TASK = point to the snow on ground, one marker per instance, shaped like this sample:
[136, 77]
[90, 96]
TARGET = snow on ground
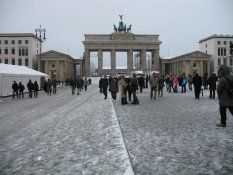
[85, 134]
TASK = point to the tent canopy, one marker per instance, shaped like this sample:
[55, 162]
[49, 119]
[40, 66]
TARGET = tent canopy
[19, 70]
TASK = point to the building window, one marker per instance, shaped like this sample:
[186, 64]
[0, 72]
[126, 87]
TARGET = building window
[6, 51]
[20, 62]
[194, 65]
[26, 62]
[0, 51]
[26, 52]
[26, 42]
[222, 52]
[19, 41]
[12, 51]
[23, 53]
[53, 65]
[219, 42]
[6, 41]
[12, 41]
[6, 61]
[225, 61]
[13, 61]
[206, 46]
[20, 54]
[224, 42]
[219, 61]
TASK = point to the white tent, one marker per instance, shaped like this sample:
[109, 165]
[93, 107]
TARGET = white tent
[10, 73]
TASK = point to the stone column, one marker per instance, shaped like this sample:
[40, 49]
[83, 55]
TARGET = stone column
[201, 68]
[87, 63]
[113, 63]
[130, 61]
[208, 68]
[100, 62]
[191, 67]
[39, 66]
[46, 67]
[143, 60]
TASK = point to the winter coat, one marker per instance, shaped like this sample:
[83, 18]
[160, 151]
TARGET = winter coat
[223, 85]
[122, 87]
[184, 81]
[197, 82]
[15, 87]
[154, 82]
[30, 85]
[21, 87]
[36, 87]
[141, 81]
[113, 87]
[212, 82]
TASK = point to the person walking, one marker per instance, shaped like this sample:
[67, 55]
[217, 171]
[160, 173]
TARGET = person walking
[105, 87]
[197, 82]
[212, 82]
[224, 96]
[183, 83]
[30, 87]
[153, 85]
[49, 87]
[72, 85]
[141, 83]
[36, 89]
[15, 88]
[160, 86]
[113, 88]
[101, 85]
[54, 84]
[134, 85]
[123, 87]
[190, 82]
[85, 83]
[21, 89]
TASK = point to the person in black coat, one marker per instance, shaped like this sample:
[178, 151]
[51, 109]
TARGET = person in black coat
[212, 85]
[21, 89]
[15, 88]
[101, 85]
[197, 82]
[36, 89]
[30, 88]
[105, 86]
[141, 83]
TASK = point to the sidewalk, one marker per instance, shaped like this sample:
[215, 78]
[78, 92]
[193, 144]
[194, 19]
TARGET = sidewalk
[61, 134]
[85, 134]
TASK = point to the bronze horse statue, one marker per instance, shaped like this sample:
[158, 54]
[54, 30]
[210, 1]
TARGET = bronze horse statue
[129, 28]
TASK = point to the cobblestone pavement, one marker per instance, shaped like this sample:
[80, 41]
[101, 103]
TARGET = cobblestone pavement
[176, 134]
[65, 134]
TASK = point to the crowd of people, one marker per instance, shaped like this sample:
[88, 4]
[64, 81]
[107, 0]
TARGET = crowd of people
[130, 85]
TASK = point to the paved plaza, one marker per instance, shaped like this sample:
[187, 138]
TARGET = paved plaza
[66, 134]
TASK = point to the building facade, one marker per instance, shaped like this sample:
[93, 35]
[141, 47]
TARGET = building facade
[19, 49]
[59, 66]
[219, 47]
[190, 63]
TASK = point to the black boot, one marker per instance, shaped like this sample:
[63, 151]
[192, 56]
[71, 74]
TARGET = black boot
[125, 100]
[122, 101]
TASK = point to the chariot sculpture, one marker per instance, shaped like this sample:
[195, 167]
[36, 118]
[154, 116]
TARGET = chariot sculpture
[122, 27]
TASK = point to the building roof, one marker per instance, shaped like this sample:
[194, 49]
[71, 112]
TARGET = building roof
[193, 53]
[215, 36]
[19, 35]
[9, 69]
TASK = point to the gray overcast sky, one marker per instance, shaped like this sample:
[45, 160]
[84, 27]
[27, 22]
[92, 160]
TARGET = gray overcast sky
[180, 23]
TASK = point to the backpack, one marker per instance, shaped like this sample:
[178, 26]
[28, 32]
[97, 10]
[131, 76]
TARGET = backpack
[230, 90]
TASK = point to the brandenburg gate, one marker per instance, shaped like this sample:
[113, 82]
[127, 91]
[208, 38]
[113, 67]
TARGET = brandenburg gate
[121, 40]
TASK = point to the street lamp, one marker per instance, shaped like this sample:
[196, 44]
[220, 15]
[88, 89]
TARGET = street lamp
[40, 32]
